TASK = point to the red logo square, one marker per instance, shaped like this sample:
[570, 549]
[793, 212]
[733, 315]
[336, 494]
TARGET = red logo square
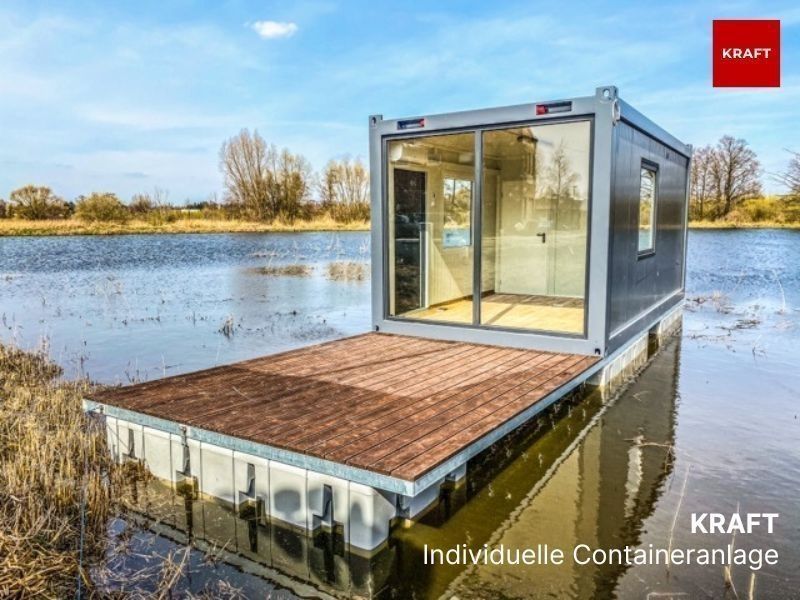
[747, 53]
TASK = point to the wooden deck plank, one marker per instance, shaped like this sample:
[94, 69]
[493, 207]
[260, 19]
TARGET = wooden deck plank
[350, 371]
[450, 371]
[428, 435]
[454, 436]
[481, 381]
[259, 385]
[150, 393]
[355, 396]
[396, 405]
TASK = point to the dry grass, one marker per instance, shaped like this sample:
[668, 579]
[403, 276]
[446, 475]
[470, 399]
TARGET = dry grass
[58, 490]
[55, 481]
[187, 225]
[199, 225]
[743, 225]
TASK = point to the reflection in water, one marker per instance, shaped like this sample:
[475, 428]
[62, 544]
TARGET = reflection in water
[588, 471]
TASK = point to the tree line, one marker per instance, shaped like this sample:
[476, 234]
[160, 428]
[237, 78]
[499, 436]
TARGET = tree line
[726, 184]
[265, 183]
[262, 183]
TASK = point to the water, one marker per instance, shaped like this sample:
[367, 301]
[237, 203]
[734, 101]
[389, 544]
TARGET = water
[712, 424]
[130, 308]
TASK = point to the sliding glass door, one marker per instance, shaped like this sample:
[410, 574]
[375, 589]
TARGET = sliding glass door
[535, 227]
[534, 208]
[431, 193]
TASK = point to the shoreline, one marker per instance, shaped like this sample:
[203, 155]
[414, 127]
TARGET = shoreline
[754, 225]
[33, 228]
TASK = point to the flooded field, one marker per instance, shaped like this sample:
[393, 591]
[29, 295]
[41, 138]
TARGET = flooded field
[132, 308]
[711, 425]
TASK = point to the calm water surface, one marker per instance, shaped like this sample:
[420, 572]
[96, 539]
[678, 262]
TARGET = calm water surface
[712, 424]
[131, 308]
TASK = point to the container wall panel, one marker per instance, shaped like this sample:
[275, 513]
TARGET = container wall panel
[637, 283]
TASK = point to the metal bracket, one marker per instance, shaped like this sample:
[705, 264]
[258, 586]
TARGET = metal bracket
[130, 455]
[185, 482]
[609, 94]
[326, 518]
[402, 508]
[247, 502]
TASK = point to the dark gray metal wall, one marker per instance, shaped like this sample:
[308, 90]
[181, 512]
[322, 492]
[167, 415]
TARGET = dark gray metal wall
[636, 283]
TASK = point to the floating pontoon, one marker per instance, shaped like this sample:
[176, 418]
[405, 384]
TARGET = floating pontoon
[518, 253]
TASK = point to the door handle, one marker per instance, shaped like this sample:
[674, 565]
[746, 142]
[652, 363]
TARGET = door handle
[542, 235]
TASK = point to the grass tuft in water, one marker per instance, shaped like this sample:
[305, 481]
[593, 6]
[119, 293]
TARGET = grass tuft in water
[285, 270]
[347, 271]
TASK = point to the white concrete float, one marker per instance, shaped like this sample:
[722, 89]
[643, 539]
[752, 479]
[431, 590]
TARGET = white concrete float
[629, 359]
[297, 498]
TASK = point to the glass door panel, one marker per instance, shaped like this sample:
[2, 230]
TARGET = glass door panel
[535, 226]
[430, 202]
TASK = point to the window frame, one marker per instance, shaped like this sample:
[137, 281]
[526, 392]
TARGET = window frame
[647, 165]
[478, 130]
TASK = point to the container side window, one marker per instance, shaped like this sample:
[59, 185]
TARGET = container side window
[647, 208]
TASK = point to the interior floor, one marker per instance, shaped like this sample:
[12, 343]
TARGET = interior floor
[544, 313]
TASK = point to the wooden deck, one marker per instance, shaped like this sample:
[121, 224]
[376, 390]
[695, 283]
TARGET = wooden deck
[391, 404]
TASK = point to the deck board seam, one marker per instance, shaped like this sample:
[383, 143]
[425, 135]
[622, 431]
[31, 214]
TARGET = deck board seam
[461, 391]
[429, 450]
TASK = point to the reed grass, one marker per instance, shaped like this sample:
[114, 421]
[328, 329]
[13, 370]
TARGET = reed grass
[26, 227]
[739, 224]
[195, 224]
[55, 481]
[60, 490]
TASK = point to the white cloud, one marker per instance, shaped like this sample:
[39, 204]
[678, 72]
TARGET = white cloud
[274, 29]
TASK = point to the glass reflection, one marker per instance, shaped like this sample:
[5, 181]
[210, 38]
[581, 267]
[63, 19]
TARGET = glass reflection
[535, 226]
[430, 188]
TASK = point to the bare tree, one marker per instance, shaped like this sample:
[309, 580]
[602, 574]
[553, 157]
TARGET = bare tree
[140, 204]
[345, 181]
[37, 202]
[147, 202]
[559, 186]
[735, 170]
[791, 177]
[262, 181]
[702, 189]
[344, 189]
[243, 161]
[293, 185]
[560, 180]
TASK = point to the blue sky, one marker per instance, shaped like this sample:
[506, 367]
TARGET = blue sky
[126, 97]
